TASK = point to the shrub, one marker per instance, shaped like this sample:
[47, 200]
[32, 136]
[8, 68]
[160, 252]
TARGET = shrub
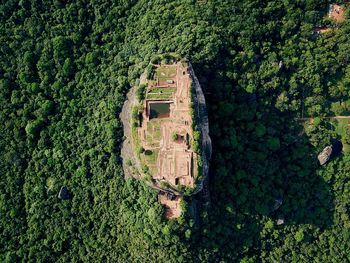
[148, 152]
[141, 150]
[174, 136]
[141, 92]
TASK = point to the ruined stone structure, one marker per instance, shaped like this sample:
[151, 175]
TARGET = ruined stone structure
[165, 148]
[167, 127]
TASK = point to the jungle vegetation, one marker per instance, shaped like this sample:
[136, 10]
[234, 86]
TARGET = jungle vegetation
[65, 68]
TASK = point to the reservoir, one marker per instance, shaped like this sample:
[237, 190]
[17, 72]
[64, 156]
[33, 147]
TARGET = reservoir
[159, 110]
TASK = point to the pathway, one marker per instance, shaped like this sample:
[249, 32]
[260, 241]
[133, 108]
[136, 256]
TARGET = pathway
[327, 117]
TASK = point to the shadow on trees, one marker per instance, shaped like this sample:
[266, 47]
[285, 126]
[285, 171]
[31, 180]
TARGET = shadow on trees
[261, 158]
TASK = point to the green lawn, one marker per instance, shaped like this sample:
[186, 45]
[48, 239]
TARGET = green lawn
[165, 73]
[341, 125]
[151, 158]
[161, 93]
[162, 90]
[153, 133]
[159, 96]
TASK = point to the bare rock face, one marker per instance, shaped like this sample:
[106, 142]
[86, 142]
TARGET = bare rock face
[277, 204]
[325, 155]
[64, 193]
[330, 151]
[203, 124]
[130, 162]
[280, 221]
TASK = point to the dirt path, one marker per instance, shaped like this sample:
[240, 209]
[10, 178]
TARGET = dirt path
[328, 117]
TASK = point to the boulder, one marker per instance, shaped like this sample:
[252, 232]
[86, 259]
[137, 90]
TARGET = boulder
[330, 152]
[277, 204]
[325, 155]
[280, 221]
[64, 193]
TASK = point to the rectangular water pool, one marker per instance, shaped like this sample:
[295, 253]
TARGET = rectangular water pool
[159, 110]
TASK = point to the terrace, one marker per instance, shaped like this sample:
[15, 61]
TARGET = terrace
[166, 127]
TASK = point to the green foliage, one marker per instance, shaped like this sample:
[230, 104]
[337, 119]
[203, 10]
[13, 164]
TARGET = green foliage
[347, 136]
[141, 92]
[273, 144]
[260, 130]
[92, 58]
[174, 136]
[299, 236]
[33, 127]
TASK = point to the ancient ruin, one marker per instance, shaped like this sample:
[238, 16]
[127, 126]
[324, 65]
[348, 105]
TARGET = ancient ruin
[166, 127]
[336, 14]
[169, 130]
[171, 204]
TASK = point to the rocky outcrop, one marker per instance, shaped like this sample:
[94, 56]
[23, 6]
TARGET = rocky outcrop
[203, 125]
[131, 163]
[330, 152]
[325, 155]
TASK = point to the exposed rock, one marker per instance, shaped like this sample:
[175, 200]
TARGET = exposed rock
[162, 179]
[131, 164]
[330, 152]
[64, 193]
[277, 204]
[325, 155]
[280, 64]
[280, 221]
[203, 125]
[336, 12]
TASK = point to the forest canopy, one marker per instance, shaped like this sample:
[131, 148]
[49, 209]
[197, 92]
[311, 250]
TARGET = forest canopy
[272, 85]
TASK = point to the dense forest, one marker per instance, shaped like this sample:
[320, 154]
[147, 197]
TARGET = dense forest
[65, 68]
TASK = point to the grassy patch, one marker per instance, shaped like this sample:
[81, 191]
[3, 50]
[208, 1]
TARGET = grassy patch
[341, 126]
[164, 73]
[134, 133]
[152, 83]
[159, 96]
[153, 135]
[162, 90]
[161, 93]
[151, 157]
[341, 108]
